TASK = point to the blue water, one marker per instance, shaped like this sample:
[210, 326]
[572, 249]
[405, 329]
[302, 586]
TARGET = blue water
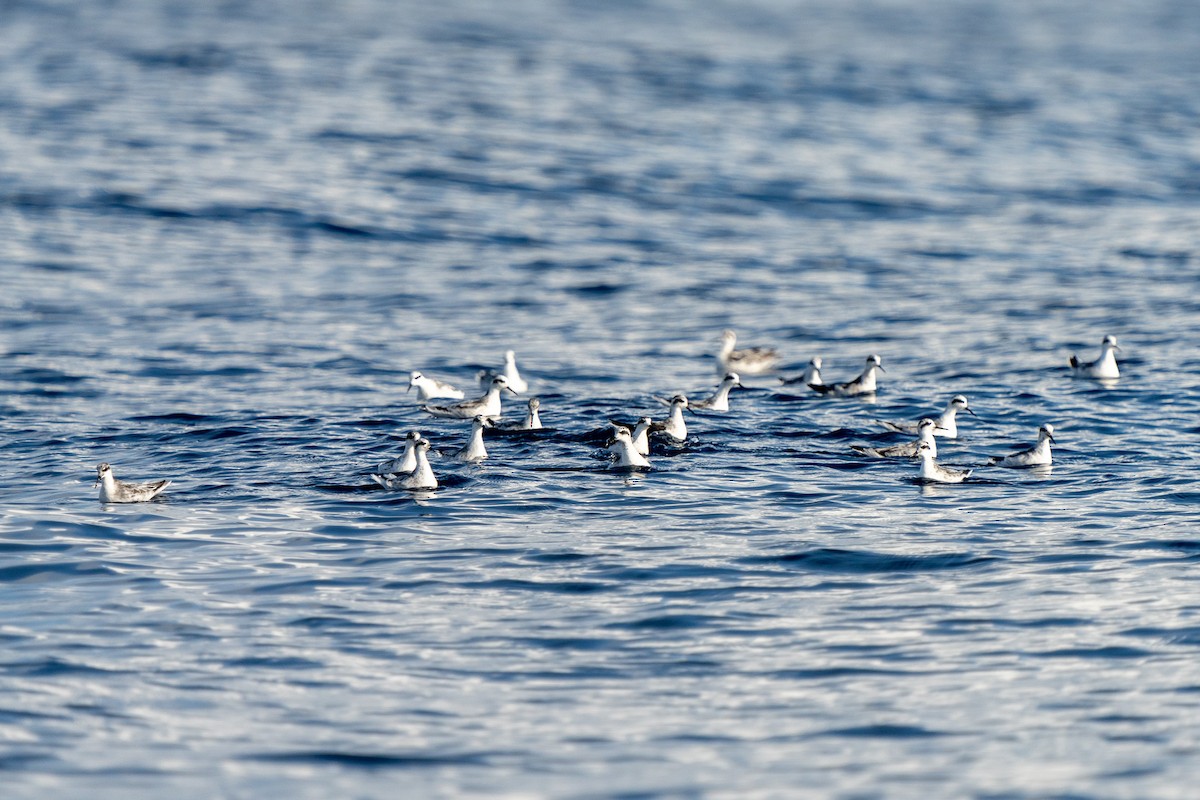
[228, 232]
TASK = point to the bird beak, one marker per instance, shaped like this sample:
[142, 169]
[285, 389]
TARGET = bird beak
[940, 428]
[969, 411]
[880, 367]
[514, 391]
[409, 389]
[1117, 347]
[1050, 436]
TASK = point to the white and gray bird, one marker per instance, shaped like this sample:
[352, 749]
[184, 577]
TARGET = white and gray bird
[1104, 367]
[532, 421]
[935, 472]
[421, 478]
[115, 491]
[947, 422]
[474, 450]
[926, 430]
[812, 375]
[488, 405]
[719, 401]
[622, 447]
[863, 384]
[1037, 456]
[674, 426]
[431, 388]
[750, 360]
[406, 462]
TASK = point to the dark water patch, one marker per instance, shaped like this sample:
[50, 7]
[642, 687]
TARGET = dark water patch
[55, 667]
[273, 662]
[883, 732]
[834, 560]
[583, 643]
[552, 587]
[1099, 653]
[837, 673]
[353, 760]
[44, 573]
[666, 622]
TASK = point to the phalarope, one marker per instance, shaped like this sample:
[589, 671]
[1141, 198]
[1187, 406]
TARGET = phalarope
[812, 375]
[863, 384]
[947, 424]
[509, 371]
[751, 360]
[639, 433]
[431, 388]
[622, 446]
[674, 426]
[933, 471]
[1104, 367]
[719, 401]
[926, 430]
[421, 478]
[1036, 456]
[475, 451]
[115, 491]
[488, 405]
[532, 422]
[406, 462]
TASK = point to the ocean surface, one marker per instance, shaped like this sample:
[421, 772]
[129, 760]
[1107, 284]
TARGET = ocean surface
[229, 231]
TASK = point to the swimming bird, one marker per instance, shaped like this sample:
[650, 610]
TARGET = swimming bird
[1037, 456]
[406, 462]
[812, 374]
[115, 491]
[627, 455]
[421, 478]
[863, 384]
[431, 388]
[947, 424]
[935, 472]
[532, 421]
[639, 433]
[509, 371]
[674, 426]
[719, 401]
[926, 430]
[488, 405]
[751, 361]
[475, 451]
[1104, 367]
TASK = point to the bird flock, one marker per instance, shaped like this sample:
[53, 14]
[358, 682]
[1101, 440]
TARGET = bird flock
[629, 445]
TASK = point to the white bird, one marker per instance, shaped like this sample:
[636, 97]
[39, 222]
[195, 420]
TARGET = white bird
[947, 423]
[720, 398]
[533, 421]
[431, 388]
[1037, 456]
[510, 373]
[488, 405]
[406, 462]
[674, 426]
[622, 446]
[751, 360]
[421, 478]
[475, 451]
[935, 472]
[1104, 367]
[926, 430]
[639, 433]
[115, 491]
[812, 374]
[863, 384]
